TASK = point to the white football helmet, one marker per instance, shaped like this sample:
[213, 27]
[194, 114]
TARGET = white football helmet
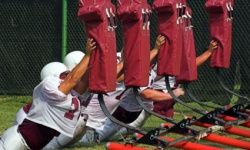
[52, 69]
[72, 59]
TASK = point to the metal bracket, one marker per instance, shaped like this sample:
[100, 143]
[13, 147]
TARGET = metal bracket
[210, 117]
[181, 127]
[149, 138]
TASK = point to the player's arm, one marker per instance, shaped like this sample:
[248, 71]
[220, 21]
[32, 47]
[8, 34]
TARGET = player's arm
[204, 56]
[120, 72]
[154, 95]
[77, 73]
[83, 84]
[120, 66]
[160, 40]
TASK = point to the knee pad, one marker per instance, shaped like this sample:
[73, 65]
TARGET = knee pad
[140, 119]
[136, 123]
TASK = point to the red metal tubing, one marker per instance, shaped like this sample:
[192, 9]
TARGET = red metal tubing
[188, 145]
[232, 130]
[228, 118]
[246, 124]
[118, 146]
[220, 139]
[227, 141]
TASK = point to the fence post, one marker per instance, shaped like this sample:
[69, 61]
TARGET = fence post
[64, 28]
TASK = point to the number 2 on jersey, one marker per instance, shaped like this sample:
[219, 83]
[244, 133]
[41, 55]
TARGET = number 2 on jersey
[70, 114]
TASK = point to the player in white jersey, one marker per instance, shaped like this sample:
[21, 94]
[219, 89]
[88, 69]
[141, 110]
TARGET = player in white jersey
[50, 69]
[58, 69]
[55, 109]
[96, 116]
[71, 60]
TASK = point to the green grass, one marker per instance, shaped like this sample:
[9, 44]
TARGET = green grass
[9, 105]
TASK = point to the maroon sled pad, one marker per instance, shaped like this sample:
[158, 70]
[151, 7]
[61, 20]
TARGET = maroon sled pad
[220, 26]
[98, 16]
[134, 15]
[188, 70]
[169, 24]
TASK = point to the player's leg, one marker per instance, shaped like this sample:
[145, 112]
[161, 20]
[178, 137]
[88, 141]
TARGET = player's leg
[139, 122]
[108, 130]
[80, 128]
[111, 128]
[63, 140]
[95, 136]
[22, 113]
[12, 140]
[90, 137]
[20, 116]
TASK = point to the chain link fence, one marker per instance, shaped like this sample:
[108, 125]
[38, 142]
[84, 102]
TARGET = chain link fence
[31, 37]
[28, 40]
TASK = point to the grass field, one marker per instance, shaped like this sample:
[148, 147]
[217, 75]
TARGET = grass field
[10, 104]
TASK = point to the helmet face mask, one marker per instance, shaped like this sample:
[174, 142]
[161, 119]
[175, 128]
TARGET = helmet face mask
[52, 69]
[64, 74]
[72, 59]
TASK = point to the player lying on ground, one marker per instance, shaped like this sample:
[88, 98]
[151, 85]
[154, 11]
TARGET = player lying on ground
[56, 69]
[97, 118]
[95, 115]
[55, 109]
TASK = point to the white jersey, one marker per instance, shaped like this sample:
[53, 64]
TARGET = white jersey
[96, 116]
[52, 108]
[160, 84]
[159, 81]
[128, 100]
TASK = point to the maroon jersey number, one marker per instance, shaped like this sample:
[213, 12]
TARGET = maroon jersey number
[75, 104]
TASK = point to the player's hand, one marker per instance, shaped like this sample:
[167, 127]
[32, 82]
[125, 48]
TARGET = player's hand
[178, 92]
[159, 41]
[213, 45]
[90, 46]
